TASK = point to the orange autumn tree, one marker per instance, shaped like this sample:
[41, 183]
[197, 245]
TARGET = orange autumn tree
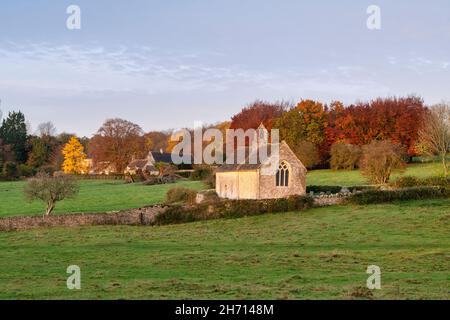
[315, 120]
[74, 157]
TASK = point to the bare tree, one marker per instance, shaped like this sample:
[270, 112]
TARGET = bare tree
[46, 129]
[434, 136]
[50, 189]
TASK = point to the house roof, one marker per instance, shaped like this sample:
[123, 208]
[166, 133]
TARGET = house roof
[138, 164]
[161, 157]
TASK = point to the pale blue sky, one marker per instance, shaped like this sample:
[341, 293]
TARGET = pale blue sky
[165, 64]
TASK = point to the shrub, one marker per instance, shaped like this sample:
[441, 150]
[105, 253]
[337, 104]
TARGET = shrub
[201, 173]
[345, 156]
[382, 196]
[48, 169]
[407, 182]
[181, 194]
[380, 159]
[232, 209]
[26, 170]
[205, 174]
[437, 181]
[10, 170]
[210, 181]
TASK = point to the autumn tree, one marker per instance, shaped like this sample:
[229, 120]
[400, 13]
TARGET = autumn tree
[50, 189]
[39, 154]
[380, 159]
[434, 135]
[116, 143]
[74, 157]
[314, 120]
[156, 140]
[258, 112]
[307, 152]
[395, 119]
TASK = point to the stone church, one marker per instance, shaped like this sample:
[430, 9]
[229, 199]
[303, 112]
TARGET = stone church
[250, 181]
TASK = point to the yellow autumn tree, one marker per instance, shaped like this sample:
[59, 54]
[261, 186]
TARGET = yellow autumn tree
[74, 157]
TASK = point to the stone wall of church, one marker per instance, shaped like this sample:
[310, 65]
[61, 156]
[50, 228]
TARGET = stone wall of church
[237, 184]
[297, 178]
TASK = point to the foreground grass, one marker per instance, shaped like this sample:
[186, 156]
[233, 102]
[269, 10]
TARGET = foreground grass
[94, 196]
[354, 177]
[321, 253]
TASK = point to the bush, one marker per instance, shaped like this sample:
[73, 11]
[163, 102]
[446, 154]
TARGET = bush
[345, 156]
[201, 173]
[10, 170]
[408, 182]
[232, 209]
[437, 181]
[181, 194]
[205, 174]
[380, 159]
[26, 171]
[48, 169]
[382, 196]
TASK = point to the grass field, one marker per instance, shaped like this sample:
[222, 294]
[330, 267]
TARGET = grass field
[110, 195]
[354, 178]
[321, 253]
[94, 196]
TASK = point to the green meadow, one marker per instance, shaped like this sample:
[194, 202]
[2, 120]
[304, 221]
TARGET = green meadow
[94, 196]
[322, 253]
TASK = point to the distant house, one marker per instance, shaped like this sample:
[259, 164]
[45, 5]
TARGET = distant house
[252, 181]
[148, 165]
[102, 168]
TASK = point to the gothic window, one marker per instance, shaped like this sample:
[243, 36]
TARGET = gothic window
[282, 177]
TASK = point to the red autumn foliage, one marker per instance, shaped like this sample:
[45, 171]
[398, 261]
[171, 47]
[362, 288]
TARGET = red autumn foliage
[256, 113]
[395, 119]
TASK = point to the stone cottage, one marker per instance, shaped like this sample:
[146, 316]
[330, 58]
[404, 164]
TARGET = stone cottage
[250, 181]
[148, 165]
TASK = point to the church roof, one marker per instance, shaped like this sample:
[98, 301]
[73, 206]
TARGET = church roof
[245, 165]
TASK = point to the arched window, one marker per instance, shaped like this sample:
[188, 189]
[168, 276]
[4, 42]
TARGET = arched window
[282, 178]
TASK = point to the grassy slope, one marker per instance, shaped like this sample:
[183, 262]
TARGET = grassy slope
[354, 178]
[95, 196]
[321, 253]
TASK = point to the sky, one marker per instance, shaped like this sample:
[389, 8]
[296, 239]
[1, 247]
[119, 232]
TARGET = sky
[166, 64]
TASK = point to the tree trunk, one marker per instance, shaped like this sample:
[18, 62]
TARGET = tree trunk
[50, 207]
[444, 163]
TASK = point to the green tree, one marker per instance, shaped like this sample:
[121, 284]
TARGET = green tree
[39, 153]
[14, 132]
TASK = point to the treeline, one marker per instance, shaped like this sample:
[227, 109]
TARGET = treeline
[322, 135]
[23, 153]
[311, 128]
